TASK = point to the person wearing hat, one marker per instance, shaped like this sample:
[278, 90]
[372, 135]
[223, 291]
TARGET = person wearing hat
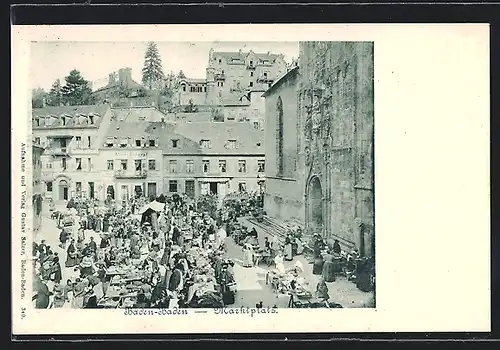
[318, 258]
[43, 295]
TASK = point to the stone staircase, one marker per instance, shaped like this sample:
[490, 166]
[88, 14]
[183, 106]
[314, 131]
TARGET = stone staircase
[280, 229]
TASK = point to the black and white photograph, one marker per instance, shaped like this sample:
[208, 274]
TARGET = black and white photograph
[250, 179]
[203, 175]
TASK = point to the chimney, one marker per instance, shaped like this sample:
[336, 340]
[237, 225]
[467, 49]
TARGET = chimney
[112, 78]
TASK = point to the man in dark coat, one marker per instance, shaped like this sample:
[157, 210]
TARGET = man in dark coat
[175, 279]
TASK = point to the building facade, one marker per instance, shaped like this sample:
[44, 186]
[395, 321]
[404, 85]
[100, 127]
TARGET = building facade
[285, 173]
[218, 158]
[37, 185]
[71, 136]
[334, 141]
[231, 77]
[130, 161]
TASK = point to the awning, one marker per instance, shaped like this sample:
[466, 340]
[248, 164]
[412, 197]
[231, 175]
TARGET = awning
[213, 179]
[154, 205]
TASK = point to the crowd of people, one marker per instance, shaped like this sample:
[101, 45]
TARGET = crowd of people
[172, 252]
[170, 256]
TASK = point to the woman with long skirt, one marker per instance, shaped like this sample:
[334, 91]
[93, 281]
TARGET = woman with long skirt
[288, 249]
[71, 255]
[248, 256]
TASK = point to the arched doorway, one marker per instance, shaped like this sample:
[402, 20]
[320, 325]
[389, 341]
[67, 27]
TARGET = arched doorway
[63, 190]
[315, 205]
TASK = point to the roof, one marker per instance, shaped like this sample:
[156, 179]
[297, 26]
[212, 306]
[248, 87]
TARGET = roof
[290, 74]
[260, 56]
[73, 111]
[219, 133]
[164, 132]
[135, 114]
[193, 81]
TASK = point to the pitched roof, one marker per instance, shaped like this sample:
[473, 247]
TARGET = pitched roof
[164, 132]
[135, 114]
[249, 139]
[242, 55]
[72, 111]
[289, 75]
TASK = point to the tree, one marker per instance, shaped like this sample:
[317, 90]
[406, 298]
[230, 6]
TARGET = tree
[76, 91]
[181, 75]
[152, 73]
[38, 96]
[54, 97]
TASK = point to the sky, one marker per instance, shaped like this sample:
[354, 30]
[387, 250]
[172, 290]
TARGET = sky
[95, 60]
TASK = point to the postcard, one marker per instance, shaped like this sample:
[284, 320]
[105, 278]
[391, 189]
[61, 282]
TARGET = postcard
[250, 178]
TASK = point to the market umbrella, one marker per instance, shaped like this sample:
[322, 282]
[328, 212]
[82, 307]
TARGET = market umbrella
[143, 209]
[157, 206]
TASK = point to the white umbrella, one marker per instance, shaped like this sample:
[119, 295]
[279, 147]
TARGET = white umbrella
[143, 209]
[157, 206]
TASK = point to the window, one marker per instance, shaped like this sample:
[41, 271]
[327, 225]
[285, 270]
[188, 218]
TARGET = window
[191, 89]
[251, 74]
[110, 142]
[204, 89]
[152, 143]
[89, 162]
[251, 84]
[78, 187]
[63, 164]
[172, 186]
[123, 143]
[152, 164]
[205, 144]
[256, 125]
[242, 186]
[91, 119]
[222, 166]
[220, 61]
[78, 141]
[138, 165]
[242, 166]
[172, 166]
[89, 142]
[49, 186]
[206, 166]
[123, 164]
[110, 164]
[63, 121]
[189, 166]
[251, 63]
[279, 136]
[261, 166]
[37, 140]
[232, 144]
[175, 143]
[37, 121]
[184, 88]
[138, 142]
[78, 163]
[265, 74]
[269, 84]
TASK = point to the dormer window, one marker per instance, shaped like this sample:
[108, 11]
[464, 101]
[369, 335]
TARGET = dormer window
[91, 119]
[152, 143]
[205, 144]
[123, 143]
[232, 144]
[183, 87]
[110, 141]
[138, 142]
[220, 61]
[175, 143]
[63, 120]
[37, 122]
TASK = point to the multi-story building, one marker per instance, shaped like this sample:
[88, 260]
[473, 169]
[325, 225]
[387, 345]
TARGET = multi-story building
[130, 160]
[319, 125]
[230, 79]
[201, 158]
[37, 185]
[71, 136]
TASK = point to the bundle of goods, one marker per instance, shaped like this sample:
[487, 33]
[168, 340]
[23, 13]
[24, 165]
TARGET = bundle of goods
[208, 300]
